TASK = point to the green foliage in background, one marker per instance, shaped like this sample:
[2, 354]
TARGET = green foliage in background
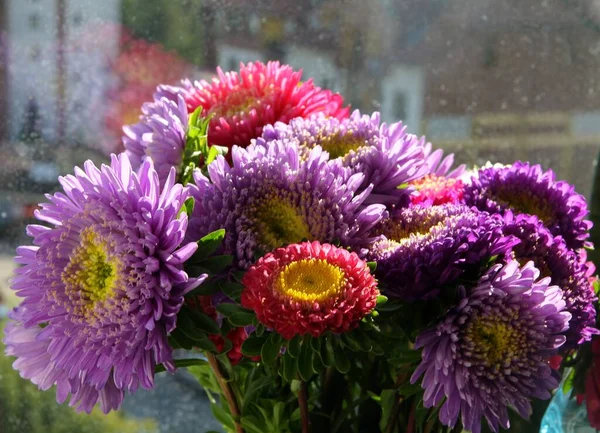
[25, 409]
[175, 24]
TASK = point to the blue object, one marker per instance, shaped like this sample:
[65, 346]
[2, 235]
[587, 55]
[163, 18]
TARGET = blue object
[564, 415]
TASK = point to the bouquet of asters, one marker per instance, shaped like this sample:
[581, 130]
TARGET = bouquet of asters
[321, 270]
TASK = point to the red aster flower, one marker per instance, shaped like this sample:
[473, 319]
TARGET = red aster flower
[243, 103]
[434, 190]
[309, 288]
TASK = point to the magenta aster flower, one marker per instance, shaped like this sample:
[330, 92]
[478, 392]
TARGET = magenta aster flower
[102, 285]
[492, 350]
[160, 133]
[243, 103]
[386, 155]
[566, 270]
[309, 288]
[434, 190]
[425, 248]
[525, 188]
[270, 198]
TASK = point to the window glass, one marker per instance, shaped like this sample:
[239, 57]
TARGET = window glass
[490, 80]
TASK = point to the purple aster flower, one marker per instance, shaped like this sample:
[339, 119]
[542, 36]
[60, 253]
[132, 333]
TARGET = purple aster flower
[525, 188]
[102, 285]
[566, 270]
[426, 247]
[439, 167]
[161, 134]
[386, 155]
[492, 350]
[270, 198]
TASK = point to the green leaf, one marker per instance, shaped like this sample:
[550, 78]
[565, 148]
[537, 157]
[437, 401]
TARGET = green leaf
[209, 244]
[363, 340]
[208, 287]
[342, 363]
[327, 352]
[390, 306]
[188, 207]
[290, 367]
[181, 363]
[294, 345]
[372, 266]
[305, 361]
[271, 348]
[232, 289]
[568, 381]
[186, 324]
[252, 346]
[222, 416]
[202, 322]
[205, 344]
[228, 309]
[178, 340]
[409, 389]
[216, 264]
[252, 391]
[350, 342]
[215, 151]
[252, 424]
[315, 343]
[317, 363]
[241, 319]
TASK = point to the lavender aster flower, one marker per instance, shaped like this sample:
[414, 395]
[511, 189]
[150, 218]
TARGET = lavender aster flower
[160, 133]
[386, 155]
[102, 285]
[492, 350]
[552, 257]
[426, 247]
[270, 198]
[436, 166]
[526, 188]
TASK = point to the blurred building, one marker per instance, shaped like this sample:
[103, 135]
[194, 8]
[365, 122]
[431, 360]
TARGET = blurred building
[498, 80]
[57, 56]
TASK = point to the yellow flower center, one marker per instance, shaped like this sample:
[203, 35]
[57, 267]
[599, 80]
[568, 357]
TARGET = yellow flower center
[526, 202]
[402, 233]
[340, 145]
[280, 223]
[310, 280]
[238, 102]
[496, 342]
[90, 275]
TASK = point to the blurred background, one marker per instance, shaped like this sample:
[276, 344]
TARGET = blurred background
[495, 80]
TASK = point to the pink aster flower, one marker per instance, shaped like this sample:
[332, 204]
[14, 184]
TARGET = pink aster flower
[259, 94]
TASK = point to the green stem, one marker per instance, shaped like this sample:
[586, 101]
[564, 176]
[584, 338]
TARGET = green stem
[227, 391]
[396, 407]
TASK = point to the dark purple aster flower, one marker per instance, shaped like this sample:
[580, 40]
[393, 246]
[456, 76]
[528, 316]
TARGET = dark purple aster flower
[426, 247]
[525, 188]
[102, 285]
[552, 257]
[386, 155]
[161, 134]
[270, 198]
[492, 350]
